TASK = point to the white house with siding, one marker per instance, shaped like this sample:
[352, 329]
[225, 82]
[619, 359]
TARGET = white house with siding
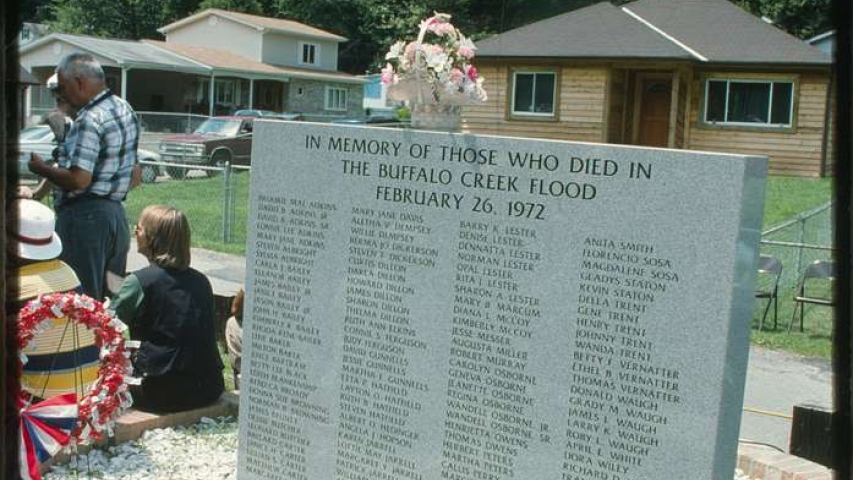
[213, 62]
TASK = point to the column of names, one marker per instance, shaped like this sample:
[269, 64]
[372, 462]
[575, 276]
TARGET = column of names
[379, 397]
[617, 383]
[293, 231]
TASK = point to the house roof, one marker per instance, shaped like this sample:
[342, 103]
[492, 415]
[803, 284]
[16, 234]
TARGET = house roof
[25, 77]
[224, 60]
[582, 33]
[828, 35]
[263, 24]
[657, 29]
[152, 54]
[126, 53]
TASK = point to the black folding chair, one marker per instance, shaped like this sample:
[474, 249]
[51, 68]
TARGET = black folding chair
[770, 267]
[818, 270]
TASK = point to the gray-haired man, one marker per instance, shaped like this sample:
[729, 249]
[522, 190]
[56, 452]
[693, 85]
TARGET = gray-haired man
[94, 174]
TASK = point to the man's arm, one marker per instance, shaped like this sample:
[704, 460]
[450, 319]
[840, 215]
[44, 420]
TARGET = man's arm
[71, 179]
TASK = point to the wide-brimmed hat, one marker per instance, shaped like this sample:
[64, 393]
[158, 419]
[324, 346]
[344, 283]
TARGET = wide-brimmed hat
[35, 236]
[42, 278]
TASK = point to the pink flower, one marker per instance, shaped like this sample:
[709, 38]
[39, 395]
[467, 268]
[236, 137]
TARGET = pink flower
[441, 28]
[466, 52]
[388, 73]
[472, 72]
[456, 75]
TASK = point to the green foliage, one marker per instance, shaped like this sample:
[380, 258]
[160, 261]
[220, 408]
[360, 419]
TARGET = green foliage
[126, 19]
[245, 6]
[801, 18]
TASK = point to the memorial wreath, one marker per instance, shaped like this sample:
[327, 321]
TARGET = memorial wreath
[108, 396]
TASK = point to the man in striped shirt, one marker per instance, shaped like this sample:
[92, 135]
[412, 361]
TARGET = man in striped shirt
[94, 173]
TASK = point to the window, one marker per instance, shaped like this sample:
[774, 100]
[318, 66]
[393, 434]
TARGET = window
[336, 98]
[308, 53]
[749, 102]
[225, 92]
[373, 90]
[533, 93]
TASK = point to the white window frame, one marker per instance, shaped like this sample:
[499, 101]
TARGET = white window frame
[525, 113]
[770, 81]
[301, 53]
[338, 104]
[224, 88]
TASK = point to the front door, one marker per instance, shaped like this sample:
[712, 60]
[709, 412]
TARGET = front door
[655, 98]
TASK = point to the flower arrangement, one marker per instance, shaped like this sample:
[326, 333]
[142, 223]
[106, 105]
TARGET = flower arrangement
[434, 68]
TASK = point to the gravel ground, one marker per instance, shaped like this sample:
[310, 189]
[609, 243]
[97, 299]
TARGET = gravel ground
[204, 451]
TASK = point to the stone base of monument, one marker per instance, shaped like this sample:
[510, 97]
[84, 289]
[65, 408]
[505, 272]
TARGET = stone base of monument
[134, 423]
[765, 463]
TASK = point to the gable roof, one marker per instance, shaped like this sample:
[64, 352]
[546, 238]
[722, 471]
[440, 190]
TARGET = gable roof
[158, 55]
[599, 30]
[263, 24]
[128, 53]
[225, 60]
[698, 30]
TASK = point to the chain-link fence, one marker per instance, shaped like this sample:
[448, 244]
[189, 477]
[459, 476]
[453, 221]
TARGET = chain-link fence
[796, 243]
[215, 200]
[799, 241]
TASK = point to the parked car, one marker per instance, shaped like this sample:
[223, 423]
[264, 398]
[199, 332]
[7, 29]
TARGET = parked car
[268, 114]
[39, 139]
[217, 141]
[377, 121]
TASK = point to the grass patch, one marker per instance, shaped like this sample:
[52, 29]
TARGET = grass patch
[814, 341]
[201, 200]
[785, 197]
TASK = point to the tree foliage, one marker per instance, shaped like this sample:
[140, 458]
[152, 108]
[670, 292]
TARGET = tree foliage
[801, 18]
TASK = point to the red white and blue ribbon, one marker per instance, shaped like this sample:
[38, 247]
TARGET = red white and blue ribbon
[45, 429]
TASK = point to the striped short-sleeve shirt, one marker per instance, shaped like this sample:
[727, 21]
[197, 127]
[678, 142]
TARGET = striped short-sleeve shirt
[102, 140]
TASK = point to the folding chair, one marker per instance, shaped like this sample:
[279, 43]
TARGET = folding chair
[771, 267]
[818, 270]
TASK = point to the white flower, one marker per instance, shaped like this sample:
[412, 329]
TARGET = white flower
[396, 50]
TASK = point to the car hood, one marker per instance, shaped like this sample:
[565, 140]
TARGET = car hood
[191, 138]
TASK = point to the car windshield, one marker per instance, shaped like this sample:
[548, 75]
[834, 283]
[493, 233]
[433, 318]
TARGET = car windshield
[35, 134]
[219, 126]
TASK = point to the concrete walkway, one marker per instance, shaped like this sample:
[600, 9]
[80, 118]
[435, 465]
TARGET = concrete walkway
[776, 381]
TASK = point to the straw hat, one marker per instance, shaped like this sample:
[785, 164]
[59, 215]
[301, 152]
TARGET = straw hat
[35, 236]
[45, 277]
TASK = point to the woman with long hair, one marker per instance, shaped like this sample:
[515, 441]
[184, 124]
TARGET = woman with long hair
[169, 308]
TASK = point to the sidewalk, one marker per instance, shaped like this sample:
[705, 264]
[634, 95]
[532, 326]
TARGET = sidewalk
[776, 381]
[227, 273]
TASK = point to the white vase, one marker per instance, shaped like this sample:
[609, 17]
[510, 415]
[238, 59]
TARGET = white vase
[437, 116]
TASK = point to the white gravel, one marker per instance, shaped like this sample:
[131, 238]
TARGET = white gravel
[204, 451]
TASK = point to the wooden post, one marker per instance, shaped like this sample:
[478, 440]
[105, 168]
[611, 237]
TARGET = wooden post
[812, 435]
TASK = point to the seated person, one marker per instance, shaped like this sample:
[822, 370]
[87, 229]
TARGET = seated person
[234, 335]
[168, 307]
[63, 357]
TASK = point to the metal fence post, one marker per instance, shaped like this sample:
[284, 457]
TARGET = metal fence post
[227, 215]
[800, 249]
